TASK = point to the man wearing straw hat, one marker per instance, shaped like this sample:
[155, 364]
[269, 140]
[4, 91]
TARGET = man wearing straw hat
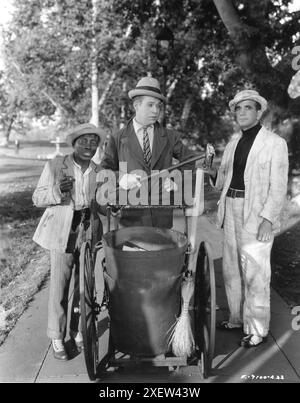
[253, 180]
[67, 189]
[143, 144]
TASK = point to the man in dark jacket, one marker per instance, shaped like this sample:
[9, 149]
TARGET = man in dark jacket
[144, 145]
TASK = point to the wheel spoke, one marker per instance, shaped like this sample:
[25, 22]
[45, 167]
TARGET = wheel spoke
[88, 281]
[89, 316]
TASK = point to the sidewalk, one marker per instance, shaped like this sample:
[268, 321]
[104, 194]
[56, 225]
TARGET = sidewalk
[26, 355]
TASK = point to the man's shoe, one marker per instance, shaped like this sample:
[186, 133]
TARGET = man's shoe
[226, 325]
[59, 350]
[78, 340]
[251, 340]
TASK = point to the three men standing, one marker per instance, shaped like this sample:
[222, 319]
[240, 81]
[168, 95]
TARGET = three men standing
[252, 178]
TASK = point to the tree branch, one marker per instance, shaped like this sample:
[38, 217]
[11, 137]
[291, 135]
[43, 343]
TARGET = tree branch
[186, 109]
[106, 90]
[251, 55]
[54, 103]
[229, 16]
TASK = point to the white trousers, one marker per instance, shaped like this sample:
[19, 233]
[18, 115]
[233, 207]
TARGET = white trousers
[246, 272]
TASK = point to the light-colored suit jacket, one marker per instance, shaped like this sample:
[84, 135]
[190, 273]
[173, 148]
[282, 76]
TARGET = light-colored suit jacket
[55, 224]
[265, 176]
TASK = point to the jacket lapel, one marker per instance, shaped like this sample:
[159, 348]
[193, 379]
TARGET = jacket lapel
[68, 170]
[160, 141]
[92, 181]
[232, 153]
[133, 144]
[229, 162]
[67, 166]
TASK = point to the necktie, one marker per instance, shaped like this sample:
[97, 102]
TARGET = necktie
[146, 147]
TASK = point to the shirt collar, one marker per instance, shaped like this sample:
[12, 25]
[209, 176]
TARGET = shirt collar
[92, 165]
[138, 126]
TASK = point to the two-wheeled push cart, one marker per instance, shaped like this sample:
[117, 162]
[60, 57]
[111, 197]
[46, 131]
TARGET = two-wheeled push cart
[158, 294]
[144, 271]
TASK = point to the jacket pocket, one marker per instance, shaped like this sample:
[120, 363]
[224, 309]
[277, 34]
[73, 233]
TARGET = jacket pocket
[54, 227]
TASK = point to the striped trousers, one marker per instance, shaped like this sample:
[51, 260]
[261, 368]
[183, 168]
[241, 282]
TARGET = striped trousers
[246, 272]
[62, 266]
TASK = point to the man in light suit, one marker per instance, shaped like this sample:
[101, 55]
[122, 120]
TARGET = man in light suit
[253, 179]
[143, 144]
[67, 189]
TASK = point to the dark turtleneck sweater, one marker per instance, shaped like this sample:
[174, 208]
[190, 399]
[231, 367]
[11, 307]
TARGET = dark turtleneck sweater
[240, 157]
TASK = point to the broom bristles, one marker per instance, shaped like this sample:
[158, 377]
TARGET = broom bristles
[182, 338]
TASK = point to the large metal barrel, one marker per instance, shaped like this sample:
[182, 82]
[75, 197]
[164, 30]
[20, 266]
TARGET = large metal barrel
[144, 287]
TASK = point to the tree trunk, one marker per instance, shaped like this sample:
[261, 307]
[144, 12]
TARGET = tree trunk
[186, 110]
[94, 72]
[9, 128]
[123, 106]
[229, 17]
[112, 77]
[171, 89]
[95, 111]
[251, 55]
[106, 90]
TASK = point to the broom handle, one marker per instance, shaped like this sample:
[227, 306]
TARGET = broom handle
[192, 235]
[193, 249]
[169, 169]
[209, 156]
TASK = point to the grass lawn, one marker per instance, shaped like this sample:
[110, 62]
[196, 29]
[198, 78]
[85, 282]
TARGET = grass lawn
[24, 266]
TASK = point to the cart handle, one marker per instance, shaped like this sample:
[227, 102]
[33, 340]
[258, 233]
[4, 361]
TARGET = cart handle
[208, 156]
[170, 168]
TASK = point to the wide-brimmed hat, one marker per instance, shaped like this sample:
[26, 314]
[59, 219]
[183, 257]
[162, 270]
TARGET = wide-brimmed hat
[85, 128]
[147, 86]
[248, 95]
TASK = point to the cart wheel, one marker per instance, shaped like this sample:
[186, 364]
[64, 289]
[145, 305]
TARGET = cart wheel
[89, 310]
[205, 308]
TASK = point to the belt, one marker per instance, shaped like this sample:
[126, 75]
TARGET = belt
[235, 193]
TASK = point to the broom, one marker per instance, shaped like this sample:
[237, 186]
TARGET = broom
[182, 338]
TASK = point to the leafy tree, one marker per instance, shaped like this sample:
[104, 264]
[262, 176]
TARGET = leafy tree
[49, 48]
[11, 103]
[240, 44]
[263, 34]
[220, 46]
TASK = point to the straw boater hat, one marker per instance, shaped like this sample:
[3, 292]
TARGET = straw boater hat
[147, 86]
[85, 128]
[248, 95]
